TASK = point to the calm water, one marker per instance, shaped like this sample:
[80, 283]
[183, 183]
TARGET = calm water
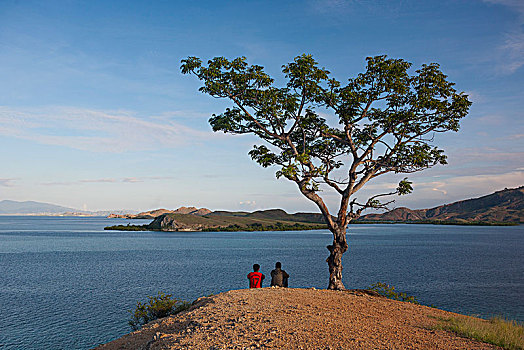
[66, 284]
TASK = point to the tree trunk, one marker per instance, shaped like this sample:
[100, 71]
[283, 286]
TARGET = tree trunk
[334, 259]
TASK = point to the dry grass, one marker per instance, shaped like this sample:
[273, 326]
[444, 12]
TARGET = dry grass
[497, 331]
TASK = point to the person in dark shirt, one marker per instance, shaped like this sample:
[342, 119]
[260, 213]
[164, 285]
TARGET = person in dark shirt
[255, 278]
[279, 277]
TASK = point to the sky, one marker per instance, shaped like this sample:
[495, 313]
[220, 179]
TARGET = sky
[95, 114]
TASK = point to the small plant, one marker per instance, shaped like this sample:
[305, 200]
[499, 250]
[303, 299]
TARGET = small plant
[497, 331]
[158, 306]
[390, 293]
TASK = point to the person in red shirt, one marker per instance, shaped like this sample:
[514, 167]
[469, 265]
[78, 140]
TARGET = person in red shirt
[255, 278]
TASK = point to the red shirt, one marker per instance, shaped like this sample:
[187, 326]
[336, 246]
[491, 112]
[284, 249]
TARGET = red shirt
[255, 279]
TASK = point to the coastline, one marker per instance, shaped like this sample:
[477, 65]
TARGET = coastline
[304, 227]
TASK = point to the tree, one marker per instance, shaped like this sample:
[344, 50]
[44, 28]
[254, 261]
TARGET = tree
[385, 123]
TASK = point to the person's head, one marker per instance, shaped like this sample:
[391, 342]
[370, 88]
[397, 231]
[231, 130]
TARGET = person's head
[278, 265]
[256, 267]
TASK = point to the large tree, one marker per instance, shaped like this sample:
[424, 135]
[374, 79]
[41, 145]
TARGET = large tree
[382, 121]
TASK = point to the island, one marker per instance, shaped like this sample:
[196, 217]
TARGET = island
[200, 220]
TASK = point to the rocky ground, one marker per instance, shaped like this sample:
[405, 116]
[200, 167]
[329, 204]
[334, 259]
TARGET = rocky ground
[282, 318]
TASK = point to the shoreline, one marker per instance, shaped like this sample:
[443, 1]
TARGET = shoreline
[144, 228]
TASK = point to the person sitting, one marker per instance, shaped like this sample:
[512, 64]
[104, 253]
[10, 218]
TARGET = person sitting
[279, 277]
[255, 278]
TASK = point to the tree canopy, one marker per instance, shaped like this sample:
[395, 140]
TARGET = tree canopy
[322, 133]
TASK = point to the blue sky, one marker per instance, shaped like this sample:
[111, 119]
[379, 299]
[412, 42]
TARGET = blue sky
[95, 114]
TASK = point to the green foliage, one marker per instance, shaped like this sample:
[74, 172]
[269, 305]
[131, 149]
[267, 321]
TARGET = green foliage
[404, 187]
[507, 334]
[390, 292]
[387, 117]
[159, 306]
[278, 226]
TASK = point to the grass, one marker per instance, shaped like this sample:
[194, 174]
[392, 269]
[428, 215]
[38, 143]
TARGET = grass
[508, 334]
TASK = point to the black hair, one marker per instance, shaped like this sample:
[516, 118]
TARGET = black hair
[256, 267]
[278, 265]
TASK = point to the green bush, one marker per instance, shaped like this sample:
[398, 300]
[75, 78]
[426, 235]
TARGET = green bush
[158, 306]
[390, 293]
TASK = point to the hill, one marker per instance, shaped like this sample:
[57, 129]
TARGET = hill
[274, 214]
[502, 206]
[157, 212]
[288, 318]
[264, 220]
[30, 207]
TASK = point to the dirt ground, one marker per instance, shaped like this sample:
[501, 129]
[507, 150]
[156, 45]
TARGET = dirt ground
[289, 318]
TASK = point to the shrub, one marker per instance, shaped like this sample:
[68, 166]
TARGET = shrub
[390, 293]
[158, 306]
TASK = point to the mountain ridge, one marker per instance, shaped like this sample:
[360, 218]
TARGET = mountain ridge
[31, 207]
[506, 205]
[11, 207]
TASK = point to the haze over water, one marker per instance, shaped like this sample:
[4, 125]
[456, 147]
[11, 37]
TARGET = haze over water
[67, 284]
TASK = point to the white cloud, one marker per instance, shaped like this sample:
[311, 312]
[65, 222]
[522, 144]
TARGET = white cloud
[437, 189]
[512, 50]
[99, 131]
[146, 178]
[58, 183]
[109, 180]
[247, 204]
[492, 119]
[98, 180]
[475, 97]
[461, 187]
[6, 182]
[132, 179]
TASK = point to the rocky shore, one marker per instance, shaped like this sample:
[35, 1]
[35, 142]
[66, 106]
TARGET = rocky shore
[282, 318]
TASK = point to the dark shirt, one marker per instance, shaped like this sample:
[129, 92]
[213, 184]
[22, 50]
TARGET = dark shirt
[279, 278]
[255, 279]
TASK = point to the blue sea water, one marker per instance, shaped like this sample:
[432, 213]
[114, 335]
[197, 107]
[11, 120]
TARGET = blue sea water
[67, 284]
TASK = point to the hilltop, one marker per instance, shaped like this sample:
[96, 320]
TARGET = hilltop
[288, 318]
[502, 206]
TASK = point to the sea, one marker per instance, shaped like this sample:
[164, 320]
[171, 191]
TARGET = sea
[65, 283]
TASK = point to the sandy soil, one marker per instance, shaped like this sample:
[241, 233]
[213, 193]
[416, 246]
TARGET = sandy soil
[282, 318]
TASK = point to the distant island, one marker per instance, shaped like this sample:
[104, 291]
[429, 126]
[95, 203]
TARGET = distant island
[33, 208]
[504, 207]
[193, 219]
